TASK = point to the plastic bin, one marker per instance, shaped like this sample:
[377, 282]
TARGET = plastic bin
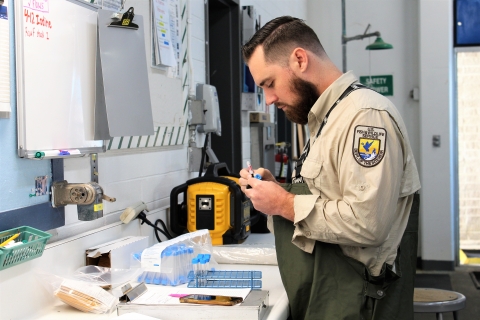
[33, 247]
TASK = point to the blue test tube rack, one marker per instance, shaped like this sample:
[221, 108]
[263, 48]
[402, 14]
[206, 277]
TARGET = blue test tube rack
[226, 279]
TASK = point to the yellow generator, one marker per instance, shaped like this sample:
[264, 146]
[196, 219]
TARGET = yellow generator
[214, 202]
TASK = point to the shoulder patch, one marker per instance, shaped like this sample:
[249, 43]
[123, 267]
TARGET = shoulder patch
[369, 145]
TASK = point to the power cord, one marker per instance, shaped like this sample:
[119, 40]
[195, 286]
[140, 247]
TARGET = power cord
[142, 216]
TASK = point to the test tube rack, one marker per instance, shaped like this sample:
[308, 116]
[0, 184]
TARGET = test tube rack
[226, 279]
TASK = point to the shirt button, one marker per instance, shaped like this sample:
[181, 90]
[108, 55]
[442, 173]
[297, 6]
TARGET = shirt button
[380, 293]
[308, 233]
[362, 188]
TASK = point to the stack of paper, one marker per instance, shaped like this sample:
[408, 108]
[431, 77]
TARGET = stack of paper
[5, 108]
[165, 31]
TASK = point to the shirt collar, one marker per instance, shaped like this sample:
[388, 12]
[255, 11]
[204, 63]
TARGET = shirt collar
[328, 98]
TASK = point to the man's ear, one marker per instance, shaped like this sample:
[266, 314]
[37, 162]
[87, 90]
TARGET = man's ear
[299, 59]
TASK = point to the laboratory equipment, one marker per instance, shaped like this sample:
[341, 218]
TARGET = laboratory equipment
[214, 202]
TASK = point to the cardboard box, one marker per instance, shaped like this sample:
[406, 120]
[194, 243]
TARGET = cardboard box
[115, 254]
[259, 117]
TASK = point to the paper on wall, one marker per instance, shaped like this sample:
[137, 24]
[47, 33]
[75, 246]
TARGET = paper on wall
[5, 108]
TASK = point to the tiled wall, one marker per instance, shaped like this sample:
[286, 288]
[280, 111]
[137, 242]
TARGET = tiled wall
[468, 95]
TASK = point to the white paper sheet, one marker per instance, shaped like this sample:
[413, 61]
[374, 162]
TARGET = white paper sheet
[134, 316]
[4, 58]
[161, 19]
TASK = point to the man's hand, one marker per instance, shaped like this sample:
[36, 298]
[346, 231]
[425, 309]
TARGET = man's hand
[267, 195]
[264, 173]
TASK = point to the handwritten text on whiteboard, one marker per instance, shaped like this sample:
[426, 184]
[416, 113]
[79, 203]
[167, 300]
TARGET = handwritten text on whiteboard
[36, 25]
[38, 5]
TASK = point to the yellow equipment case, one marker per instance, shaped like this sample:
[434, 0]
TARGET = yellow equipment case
[215, 202]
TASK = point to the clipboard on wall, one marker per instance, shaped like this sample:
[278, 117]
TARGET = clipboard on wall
[122, 104]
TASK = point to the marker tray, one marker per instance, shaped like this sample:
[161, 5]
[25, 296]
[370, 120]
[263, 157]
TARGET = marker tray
[33, 247]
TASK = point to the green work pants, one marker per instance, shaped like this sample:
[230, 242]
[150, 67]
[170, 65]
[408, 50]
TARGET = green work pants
[327, 285]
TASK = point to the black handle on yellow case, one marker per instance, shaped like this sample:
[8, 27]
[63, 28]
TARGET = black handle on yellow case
[178, 211]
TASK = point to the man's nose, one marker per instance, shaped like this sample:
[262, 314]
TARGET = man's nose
[270, 98]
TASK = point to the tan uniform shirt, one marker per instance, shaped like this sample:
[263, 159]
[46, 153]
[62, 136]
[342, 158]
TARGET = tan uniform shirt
[362, 176]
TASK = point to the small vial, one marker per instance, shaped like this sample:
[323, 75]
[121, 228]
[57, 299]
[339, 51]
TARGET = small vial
[195, 267]
[190, 257]
[207, 266]
[203, 272]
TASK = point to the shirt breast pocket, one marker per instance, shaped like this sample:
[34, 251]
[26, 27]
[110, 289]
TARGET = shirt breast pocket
[311, 172]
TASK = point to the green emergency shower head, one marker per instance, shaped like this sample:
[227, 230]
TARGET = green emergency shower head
[379, 44]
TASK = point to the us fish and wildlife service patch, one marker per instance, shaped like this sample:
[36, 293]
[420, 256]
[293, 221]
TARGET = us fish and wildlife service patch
[369, 145]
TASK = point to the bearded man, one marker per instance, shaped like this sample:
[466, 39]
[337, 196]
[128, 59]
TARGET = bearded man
[346, 229]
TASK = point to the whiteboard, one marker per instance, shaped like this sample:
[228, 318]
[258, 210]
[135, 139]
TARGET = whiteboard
[55, 72]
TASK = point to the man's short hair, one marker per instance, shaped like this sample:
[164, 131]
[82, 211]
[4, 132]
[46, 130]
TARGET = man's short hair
[280, 36]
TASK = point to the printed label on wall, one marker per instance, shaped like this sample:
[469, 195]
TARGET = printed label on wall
[381, 84]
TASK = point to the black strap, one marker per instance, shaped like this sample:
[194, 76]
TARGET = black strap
[299, 163]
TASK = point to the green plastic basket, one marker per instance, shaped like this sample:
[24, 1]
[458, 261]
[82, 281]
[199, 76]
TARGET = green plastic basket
[34, 239]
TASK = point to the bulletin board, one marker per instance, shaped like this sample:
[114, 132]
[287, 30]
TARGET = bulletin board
[55, 72]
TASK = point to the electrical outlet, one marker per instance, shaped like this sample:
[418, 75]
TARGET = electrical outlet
[436, 140]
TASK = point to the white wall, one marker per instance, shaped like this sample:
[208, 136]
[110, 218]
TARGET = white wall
[436, 96]
[397, 21]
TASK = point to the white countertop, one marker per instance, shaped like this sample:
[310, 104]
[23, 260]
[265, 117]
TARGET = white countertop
[271, 281]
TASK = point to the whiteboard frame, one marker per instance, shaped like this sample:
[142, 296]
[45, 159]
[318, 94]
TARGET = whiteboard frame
[23, 152]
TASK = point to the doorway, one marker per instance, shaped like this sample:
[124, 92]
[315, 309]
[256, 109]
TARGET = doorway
[224, 72]
[468, 146]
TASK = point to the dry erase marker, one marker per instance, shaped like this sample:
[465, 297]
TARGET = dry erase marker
[9, 239]
[46, 153]
[39, 154]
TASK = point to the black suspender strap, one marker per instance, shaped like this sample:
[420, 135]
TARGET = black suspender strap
[345, 93]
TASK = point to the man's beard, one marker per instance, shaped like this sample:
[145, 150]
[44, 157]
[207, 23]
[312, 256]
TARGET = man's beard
[307, 95]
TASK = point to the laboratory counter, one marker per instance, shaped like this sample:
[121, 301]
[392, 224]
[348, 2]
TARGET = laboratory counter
[276, 307]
